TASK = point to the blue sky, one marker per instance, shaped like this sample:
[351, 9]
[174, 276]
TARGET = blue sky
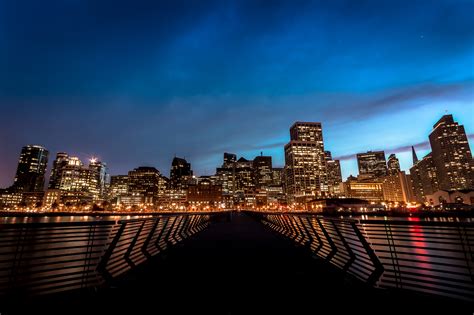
[136, 82]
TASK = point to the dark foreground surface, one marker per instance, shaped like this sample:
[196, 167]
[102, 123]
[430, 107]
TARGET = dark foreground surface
[236, 266]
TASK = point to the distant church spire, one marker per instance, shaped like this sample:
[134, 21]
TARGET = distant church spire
[413, 152]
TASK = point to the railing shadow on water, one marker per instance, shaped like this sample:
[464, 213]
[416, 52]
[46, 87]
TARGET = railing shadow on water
[434, 258]
[44, 258]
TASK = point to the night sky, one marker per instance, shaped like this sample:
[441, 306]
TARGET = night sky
[136, 82]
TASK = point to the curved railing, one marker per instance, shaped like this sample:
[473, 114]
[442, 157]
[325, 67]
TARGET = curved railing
[43, 258]
[430, 257]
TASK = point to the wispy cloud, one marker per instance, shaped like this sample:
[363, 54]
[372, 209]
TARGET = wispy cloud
[425, 145]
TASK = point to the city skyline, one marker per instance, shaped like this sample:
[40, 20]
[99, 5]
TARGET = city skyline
[405, 152]
[213, 77]
[421, 150]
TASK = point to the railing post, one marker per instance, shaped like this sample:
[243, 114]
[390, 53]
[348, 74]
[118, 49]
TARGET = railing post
[329, 239]
[102, 266]
[351, 254]
[320, 241]
[378, 267]
[148, 239]
[165, 224]
[126, 256]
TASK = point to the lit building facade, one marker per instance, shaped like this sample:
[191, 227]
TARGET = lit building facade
[305, 165]
[424, 178]
[398, 188]
[204, 195]
[62, 159]
[144, 181]
[451, 155]
[52, 197]
[118, 186]
[31, 169]
[262, 166]
[334, 175]
[180, 174]
[371, 191]
[393, 165]
[372, 164]
[79, 184]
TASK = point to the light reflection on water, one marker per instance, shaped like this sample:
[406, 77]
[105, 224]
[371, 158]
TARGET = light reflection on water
[69, 218]
[412, 219]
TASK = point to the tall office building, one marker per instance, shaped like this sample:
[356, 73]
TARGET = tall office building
[100, 170]
[143, 179]
[262, 166]
[305, 165]
[398, 188]
[372, 165]
[78, 184]
[226, 174]
[62, 159]
[31, 169]
[334, 174]
[393, 165]
[229, 159]
[424, 178]
[452, 155]
[244, 176]
[278, 176]
[180, 173]
[118, 186]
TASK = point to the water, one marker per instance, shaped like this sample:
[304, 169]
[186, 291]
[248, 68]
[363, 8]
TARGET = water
[67, 218]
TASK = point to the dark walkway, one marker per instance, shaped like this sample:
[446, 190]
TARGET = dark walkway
[236, 266]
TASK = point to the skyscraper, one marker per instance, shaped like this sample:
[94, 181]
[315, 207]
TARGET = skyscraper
[305, 166]
[118, 186]
[262, 166]
[334, 174]
[423, 178]
[144, 181]
[229, 159]
[31, 169]
[393, 165]
[452, 155]
[59, 163]
[78, 184]
[100, 170]
[372, 164]
[180, 173]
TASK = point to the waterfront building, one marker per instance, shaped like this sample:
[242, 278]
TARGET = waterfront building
[451, 155]
[144, 181]
[180, 174]
[370, 190]
[262, 166]
[424, 178]
[372, 164]
[393, 165]
[118, 186]
[334, 175]
[397, 188]
[31, 170]
[305, 165]
[204, 195]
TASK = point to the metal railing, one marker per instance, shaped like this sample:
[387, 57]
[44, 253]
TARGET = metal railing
[424, 256]
[43, 258]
